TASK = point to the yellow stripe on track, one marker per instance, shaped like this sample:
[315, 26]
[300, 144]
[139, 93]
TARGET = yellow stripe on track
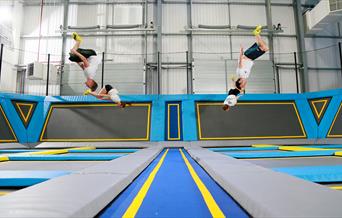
[302, 148]
[338, 153]
[139, 198]
[57, 151]
[208, 198]
[48, 152]
[336, 187]
[83, 148]
[263, 146]
[3, 158]
[3, 193]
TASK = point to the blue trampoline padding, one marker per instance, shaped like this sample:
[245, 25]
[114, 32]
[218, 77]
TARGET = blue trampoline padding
[17, 151]
[314, 173]
[281, 154]
[14, 178]
[324, 146]
[63, 158]
[173, 192]
[244, 149]
[226, 203]
[118, 207]
[105, 151]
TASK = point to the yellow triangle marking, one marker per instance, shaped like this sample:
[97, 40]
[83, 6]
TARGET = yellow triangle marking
[21, 112]
[319, 114]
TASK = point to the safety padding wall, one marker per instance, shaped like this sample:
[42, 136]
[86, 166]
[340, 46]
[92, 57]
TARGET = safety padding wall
[249, 120]
[31, 119]
[93, 122]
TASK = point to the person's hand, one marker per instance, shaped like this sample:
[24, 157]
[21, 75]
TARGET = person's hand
[241, 48]
[73, 50]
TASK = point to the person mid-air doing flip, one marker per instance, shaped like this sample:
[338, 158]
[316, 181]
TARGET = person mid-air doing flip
[245, 64]
[87, 59]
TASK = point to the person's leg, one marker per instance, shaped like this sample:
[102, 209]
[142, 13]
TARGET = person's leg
[103, 91]
[76, 45]
[261, 43]
[78, 40]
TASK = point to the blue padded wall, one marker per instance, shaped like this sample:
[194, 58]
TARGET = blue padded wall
[158, 128]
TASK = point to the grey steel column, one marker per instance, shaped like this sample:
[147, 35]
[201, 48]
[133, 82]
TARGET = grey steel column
[190, 51]
[145, 22]
[304, 76]
[270, 40]
[339, 49]
[64, 35]
[103, 69]
[230, 36]
[47, 76]
[296, 70]
[159, 45]
[1, 51]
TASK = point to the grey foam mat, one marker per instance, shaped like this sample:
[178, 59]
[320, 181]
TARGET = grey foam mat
[265, 193]
[82, 194]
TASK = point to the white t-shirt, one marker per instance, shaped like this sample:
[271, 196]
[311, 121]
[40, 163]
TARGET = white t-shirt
[245, 71]
[90, 71]
[113, 93]
[231, 100]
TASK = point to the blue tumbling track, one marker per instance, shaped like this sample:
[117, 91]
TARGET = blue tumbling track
[323, 174]
[16, 178]
[62, 157]
[174, 193]
[280, 154]
[244, 149]
[104, 151]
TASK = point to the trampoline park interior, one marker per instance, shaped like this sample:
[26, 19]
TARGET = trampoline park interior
[173, 152]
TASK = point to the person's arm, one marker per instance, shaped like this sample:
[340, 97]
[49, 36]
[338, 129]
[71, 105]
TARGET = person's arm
[81, 65]
[243, 83]
[100, 96]
[83, 59]
[240, 57]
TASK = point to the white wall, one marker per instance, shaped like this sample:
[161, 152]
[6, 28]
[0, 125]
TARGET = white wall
[206, 48]
[11, 47]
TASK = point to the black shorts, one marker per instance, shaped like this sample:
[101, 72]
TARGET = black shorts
[235, 92]
[237, 84]
[85, 52]
[254, 52]
[108, 88]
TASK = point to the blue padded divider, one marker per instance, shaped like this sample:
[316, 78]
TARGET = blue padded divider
[325, 146]
[189, 120]
[31, 134]
[278, 154]
[62, 158]
[16, 178]
[307, 117]
[314, 173]
[158, 121]
[328, 118]
[105, 151]
[244, 149]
